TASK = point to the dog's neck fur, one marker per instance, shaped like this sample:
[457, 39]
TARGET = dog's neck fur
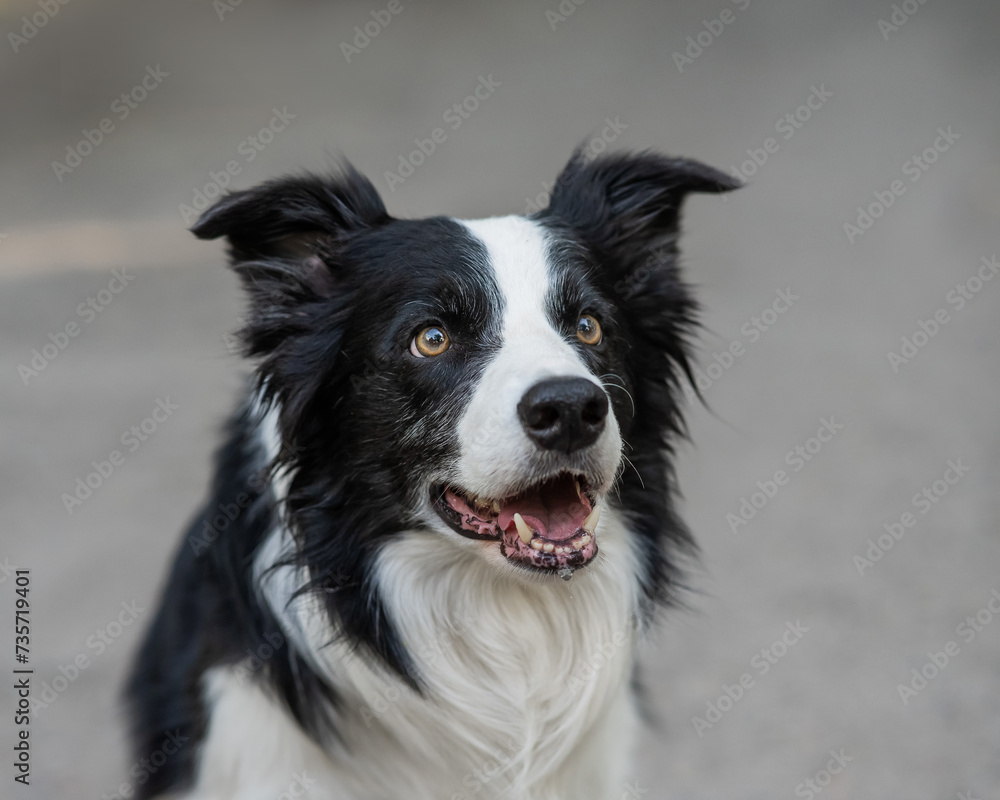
[524, 687]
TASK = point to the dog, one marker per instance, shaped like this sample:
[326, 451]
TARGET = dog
[443, 515]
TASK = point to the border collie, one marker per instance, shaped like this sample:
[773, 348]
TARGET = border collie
[443, 515]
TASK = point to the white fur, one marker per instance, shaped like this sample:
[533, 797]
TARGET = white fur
[253, 750]
[496, 454]
[525, 677]
[526, 686]
[537, 670]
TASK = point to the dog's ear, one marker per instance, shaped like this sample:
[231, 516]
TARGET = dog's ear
[287, 238]
[627, 206]
[289, 228]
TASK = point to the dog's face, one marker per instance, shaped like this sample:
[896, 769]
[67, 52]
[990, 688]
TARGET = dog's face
[478, 379]
[487, 345]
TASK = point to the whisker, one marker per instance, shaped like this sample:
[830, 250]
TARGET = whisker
[621, 467]
[626, 458]
[617, 386]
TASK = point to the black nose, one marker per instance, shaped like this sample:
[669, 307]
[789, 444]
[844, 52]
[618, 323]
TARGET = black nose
[564, 414]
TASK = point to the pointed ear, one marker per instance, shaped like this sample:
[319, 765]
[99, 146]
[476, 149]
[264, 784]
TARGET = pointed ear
[628, 205]
[291, 225]
[286, 240]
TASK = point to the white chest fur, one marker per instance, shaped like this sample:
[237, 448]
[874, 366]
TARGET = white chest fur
[525, 687]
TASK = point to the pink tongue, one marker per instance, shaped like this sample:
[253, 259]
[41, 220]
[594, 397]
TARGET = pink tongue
[553, 509]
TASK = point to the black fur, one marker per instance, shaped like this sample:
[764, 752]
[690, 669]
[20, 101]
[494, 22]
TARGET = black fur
[336, 290]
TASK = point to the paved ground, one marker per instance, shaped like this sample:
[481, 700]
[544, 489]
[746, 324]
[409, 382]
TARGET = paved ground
[856, 294]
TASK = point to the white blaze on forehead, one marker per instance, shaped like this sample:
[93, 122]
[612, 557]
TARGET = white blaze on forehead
[495, 451]
[518, 255]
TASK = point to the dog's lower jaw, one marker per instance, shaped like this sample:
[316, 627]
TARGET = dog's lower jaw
[525, 687]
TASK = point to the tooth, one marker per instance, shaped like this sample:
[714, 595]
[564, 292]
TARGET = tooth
[549, 547]
[579, 491]
[590, 523]
[522, 528]
[585, 539]
[496, 506]
[536, 544]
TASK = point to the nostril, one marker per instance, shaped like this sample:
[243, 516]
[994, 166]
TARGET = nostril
[543, 417]
[595, 411]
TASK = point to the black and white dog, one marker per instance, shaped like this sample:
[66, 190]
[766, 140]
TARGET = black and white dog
[443, 515]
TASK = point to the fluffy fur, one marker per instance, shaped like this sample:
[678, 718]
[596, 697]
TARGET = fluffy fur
[329, 625]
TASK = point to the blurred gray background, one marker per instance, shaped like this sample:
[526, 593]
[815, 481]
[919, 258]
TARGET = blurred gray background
[879, 97]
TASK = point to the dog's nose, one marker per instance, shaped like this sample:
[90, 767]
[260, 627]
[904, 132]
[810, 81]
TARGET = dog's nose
[564, 414]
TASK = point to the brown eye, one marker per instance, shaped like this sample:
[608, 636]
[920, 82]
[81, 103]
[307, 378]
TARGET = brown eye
[431, 341]
[588, 330]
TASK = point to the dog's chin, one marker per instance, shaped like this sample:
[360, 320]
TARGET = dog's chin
[549, 527]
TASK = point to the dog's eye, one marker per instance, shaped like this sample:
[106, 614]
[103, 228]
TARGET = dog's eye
[588, 330]
[431, 341]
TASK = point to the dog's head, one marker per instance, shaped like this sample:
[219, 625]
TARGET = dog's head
[481, 380]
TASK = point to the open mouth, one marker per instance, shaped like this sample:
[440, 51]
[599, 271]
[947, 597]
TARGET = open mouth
[550, 526]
